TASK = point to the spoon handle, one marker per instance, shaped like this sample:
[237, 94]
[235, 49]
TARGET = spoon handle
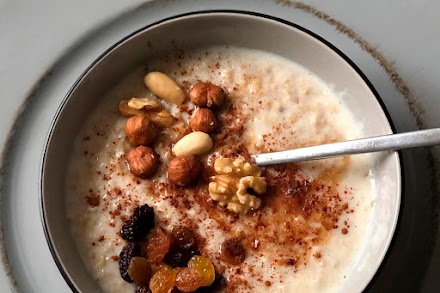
[358, 146]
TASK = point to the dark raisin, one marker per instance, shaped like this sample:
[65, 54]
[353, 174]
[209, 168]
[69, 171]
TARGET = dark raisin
[184, 238]
[139, 224]
[233, 251]
[179, 257]
[184, 246]
[128, 252]
[143, 289]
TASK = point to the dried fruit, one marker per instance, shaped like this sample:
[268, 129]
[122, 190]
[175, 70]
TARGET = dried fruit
[203, 120]
[189, 280]
[205, 267]
[143, 289]
[158, 244]
[164, 87]
[139, 270]
[139, 224]
[179, 257]
[233, 252]
[205, 94]
[184, 238]
[143, 162]
[163, 280]
[195, 143]
[183, 171]
[129, 251]
[140, 130]
[183, 248]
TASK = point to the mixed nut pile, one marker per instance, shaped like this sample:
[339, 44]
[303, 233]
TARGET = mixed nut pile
[237, 182]
[158, 261]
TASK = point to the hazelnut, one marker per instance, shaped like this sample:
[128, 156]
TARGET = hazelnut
[140, 130]
[183, 171]
[143, 162]
[205, 94]
[203, 120]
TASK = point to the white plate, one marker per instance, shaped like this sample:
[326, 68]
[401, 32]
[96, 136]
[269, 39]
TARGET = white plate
[31, 263]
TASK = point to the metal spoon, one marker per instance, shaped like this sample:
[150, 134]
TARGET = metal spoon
[399, 141]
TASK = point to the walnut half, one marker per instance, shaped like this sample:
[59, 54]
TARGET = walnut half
[233, 186]
[148, 108]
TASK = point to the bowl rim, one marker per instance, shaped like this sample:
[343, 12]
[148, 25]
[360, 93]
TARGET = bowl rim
[49, 239]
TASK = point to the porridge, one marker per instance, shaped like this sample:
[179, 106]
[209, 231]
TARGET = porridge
[168, 196]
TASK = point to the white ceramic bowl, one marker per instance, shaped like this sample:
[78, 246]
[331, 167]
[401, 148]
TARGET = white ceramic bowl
[201, 30]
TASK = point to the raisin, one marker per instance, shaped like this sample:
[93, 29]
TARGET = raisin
[139, 270]
[184, 247]
[142, 289]
[179, 257]
[127, 253]
[204, 267]
[184, 238]
[163, 280]
[233, 251]
[157, 246]
[189, 280]
[139, 224]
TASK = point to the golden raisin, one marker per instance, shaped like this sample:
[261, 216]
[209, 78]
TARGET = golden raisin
[203, 266]
[158, 244]
[189, 280]
[139, 270]
[163, 280]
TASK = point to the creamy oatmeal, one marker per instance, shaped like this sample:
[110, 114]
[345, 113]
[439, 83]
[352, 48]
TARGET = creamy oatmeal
[307, 231]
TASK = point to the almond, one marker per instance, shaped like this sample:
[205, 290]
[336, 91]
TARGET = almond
[164, 87]
[195, 143]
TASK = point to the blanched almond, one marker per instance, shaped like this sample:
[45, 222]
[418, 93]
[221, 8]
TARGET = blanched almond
[195, 143]
[164, 87]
